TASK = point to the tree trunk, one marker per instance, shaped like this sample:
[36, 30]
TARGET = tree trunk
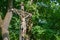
[1, 21]
[0, 28]
[6, 21]
[5, 32]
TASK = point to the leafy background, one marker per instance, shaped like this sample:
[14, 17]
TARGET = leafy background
[46, 19]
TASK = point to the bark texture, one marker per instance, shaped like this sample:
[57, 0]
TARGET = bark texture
[6, 21]
[5, 32]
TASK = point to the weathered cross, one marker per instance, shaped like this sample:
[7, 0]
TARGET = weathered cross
[23, 15]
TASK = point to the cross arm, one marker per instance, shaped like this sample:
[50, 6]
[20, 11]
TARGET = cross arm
[16, 11]
[28, 14]
[19, 12]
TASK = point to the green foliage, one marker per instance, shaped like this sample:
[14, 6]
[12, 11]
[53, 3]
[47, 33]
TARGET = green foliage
[37, 31]
[45, 18]
[14, 27]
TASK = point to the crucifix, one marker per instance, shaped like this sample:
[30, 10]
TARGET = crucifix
[23, 16]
